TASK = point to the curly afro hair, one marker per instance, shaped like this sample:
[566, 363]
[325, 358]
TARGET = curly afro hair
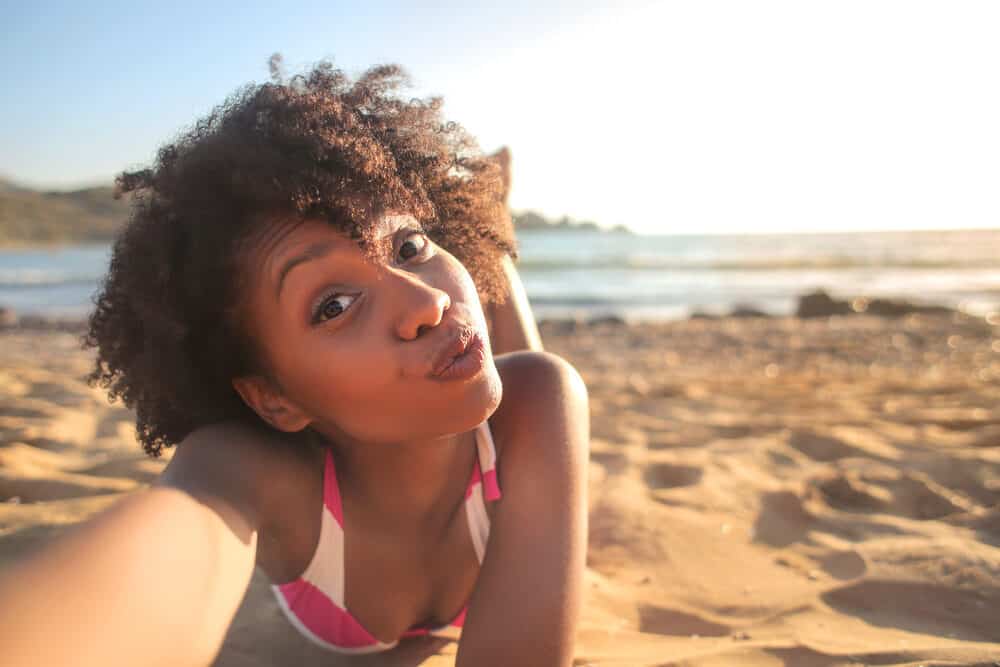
[167, 323]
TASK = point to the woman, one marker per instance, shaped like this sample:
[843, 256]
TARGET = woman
[296, 304]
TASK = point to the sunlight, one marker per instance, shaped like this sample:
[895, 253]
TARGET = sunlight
[723, 116]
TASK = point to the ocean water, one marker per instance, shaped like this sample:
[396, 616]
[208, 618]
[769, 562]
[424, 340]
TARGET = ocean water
[588, 274]
[665, 277]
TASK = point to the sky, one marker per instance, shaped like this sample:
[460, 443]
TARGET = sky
[702, 116]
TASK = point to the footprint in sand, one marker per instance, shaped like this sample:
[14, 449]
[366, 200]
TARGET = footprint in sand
[782, 519]
[59, 394]
[844, 565]
[923, 608]
[612, 462]
[665, 621]
[821, 448]
[656, 440]
[733, 432]
[987, 436]
[670, 476]
[908, 495]
[28, 409]
[112, 421]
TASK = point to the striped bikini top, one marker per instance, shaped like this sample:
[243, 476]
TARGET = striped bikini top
[314, 603]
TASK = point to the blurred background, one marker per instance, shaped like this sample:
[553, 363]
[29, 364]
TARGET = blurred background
[670, 158]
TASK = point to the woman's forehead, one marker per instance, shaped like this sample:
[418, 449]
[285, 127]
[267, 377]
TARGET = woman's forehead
[282, 238]
[285, 244]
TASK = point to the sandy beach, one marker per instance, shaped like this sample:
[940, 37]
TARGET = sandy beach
[764, 491]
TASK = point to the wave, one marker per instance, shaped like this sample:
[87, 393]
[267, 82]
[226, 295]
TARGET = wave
[43, 279]
[791, 264]
[586, 300]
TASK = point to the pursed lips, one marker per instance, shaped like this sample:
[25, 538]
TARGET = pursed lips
[457, 343]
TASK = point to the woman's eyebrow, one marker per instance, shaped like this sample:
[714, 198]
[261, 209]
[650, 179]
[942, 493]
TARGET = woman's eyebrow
[315, 251]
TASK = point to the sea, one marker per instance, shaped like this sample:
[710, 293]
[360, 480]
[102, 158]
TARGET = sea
[589, 274]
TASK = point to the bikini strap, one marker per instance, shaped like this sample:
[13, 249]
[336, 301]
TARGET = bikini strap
[488, 461]
[483, 487]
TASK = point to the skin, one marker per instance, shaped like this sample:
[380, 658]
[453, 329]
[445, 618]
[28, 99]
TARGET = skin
[236, 495]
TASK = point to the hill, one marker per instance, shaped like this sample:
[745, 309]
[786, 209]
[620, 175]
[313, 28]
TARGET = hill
[34, 216]
[529, 220]
[92, 214]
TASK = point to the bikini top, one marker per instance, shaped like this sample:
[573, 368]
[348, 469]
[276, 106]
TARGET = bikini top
[314, 603]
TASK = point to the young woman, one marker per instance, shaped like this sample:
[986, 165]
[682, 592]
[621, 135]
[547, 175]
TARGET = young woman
[296, 303]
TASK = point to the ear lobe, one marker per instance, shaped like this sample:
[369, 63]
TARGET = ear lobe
[270, 405]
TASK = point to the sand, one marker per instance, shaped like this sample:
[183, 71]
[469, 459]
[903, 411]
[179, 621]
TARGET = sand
[768, 491]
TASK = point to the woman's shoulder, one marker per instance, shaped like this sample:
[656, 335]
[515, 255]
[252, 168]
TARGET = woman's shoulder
[532, 375]
[245, 465]
[543, 395]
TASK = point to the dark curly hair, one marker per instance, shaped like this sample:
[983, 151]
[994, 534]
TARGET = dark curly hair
[168, 325]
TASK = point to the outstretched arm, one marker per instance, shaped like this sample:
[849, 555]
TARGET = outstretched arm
[512, 325]
[154, 580]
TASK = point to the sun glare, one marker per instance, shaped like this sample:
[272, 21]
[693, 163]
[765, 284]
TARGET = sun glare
[740, 117]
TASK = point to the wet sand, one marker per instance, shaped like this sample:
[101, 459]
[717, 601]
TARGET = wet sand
[769, 491]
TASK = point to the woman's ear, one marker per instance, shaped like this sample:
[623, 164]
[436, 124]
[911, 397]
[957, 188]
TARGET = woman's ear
[264, 398]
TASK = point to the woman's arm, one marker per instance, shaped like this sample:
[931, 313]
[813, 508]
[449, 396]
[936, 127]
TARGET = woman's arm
[512, 326]
[154, 580]
[526, 603]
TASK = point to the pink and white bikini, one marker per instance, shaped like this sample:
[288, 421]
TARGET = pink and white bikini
[314, 603]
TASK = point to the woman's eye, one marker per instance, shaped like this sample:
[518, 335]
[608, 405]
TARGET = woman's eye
[332, 307]
[413, 244]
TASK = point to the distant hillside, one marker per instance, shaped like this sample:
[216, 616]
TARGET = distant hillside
[33, 216]
[529, 220]
[92, 214]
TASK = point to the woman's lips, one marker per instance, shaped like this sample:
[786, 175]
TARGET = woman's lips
[469, 359]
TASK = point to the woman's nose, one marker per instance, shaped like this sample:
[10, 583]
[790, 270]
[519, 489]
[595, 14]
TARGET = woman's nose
[419, 306]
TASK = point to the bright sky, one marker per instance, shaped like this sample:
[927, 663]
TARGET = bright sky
[669, 117]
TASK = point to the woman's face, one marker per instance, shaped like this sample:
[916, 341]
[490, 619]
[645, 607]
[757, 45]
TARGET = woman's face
[352, 344]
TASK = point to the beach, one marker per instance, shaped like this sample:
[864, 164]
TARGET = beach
[763, 490]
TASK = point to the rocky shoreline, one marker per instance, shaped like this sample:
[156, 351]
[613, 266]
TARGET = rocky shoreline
[814, 304]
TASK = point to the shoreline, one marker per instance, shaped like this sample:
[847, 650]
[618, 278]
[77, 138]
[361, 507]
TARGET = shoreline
[813, 304]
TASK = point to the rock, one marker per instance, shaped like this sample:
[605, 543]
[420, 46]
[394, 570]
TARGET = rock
[45, 323]
[821, 304]
[607, 319]
[891, 308]
[8, 318]
[35, 322]
[744, 310]
[559, 327]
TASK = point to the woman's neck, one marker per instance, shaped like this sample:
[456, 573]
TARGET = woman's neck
[414, 485]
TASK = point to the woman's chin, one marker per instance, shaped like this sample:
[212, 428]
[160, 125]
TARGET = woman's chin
[493, 388]
[478, 398]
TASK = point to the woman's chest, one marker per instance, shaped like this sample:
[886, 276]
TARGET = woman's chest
[393, 584]
[387, 581]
